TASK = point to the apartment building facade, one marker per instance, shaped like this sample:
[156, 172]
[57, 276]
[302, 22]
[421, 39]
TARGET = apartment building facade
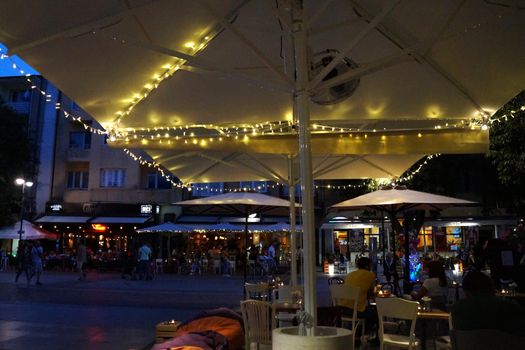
[83, 188]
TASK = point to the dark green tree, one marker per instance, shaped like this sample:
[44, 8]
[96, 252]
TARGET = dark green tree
[14, 161]
[507, 149]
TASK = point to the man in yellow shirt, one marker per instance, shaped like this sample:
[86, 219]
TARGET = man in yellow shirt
[365, 280]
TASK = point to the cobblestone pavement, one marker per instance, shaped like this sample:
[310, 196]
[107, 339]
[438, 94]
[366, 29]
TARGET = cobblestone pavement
[105, 311]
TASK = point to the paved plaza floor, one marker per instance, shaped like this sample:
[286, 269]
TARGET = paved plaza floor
[105, 311]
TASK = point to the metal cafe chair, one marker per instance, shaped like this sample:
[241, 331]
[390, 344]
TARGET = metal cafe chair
[257, 291]
[335, 280]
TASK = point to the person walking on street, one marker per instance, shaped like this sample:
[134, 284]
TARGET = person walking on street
[390, 271]
[24, 263]
[81, 259]
[37, 253]
[144, 256]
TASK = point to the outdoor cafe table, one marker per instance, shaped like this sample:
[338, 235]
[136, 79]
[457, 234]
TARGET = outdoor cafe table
[434, 314]
[285, 312]
[286, 307]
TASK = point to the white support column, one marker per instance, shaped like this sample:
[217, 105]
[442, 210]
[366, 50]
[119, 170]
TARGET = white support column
[302, 115]
[320, 238]
[293, 233]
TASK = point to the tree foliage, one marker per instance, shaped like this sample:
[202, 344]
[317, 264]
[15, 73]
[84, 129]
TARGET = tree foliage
[14, 161]
[507, 148]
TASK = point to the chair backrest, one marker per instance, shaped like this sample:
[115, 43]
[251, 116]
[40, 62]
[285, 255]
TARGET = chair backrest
[257, 291]
[259, 321]
[340, 292]
[283, 294]
[335, 280]
[399, 309]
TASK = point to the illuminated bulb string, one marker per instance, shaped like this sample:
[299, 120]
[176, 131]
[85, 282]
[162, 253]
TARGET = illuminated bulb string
[257, 188]
[243, 129]
[158, 167]
[168, 70]
[241, 132]
[505, 117]
[58, 105]
[413, 173]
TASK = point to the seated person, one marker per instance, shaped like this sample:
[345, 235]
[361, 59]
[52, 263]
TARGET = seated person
[482, 309]
[220, 328]
[435, 286]
[365, 280]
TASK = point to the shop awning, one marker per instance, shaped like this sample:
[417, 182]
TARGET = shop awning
[120, 219]
[63, 219]
[30, 231]
[198, 219]
[347, 226]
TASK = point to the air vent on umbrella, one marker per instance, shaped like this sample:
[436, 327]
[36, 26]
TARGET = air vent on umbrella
[337, 93]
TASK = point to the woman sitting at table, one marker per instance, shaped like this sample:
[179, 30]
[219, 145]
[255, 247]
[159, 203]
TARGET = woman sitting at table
[435, 286]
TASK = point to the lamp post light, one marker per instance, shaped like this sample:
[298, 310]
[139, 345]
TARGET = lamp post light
[24, 184]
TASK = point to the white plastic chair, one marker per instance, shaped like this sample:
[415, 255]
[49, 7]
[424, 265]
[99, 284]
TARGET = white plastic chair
[258, 321]
[233, 263]
[284, 294]
[159, 266]
[340, 292]
[397, 308]
[257, 291]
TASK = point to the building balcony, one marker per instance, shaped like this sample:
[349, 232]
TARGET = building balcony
[75, 154]
[120, 195]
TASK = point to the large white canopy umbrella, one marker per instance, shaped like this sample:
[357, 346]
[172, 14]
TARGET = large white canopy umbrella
[233, 61]
[31, 232]
[147, 70]
[399, 199]
[205, 166]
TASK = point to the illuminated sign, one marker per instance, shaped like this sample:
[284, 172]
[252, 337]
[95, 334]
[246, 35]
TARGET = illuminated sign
[99, 227]
[55, 207]
[146, 209]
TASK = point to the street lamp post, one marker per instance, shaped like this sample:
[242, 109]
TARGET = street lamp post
[24, 184]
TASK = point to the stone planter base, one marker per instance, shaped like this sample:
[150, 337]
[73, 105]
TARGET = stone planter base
[324, 338]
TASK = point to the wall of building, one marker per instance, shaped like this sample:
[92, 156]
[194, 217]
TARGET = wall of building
[98, 156]
[52, 156]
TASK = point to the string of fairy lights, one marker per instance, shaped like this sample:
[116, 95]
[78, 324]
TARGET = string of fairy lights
[204, 134]
[266, 186]
[158, 78]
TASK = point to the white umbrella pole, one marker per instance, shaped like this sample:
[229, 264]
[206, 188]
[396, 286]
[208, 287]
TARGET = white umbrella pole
[293, 234]
[302, 114]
